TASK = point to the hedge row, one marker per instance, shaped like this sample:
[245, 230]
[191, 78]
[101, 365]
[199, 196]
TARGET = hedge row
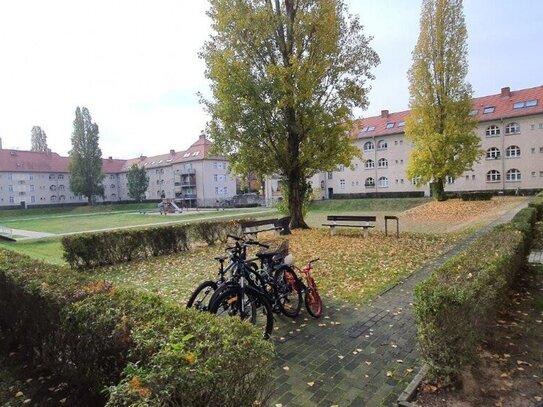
[453, 306]
[476, 196]
[89, 250]
[140, 348]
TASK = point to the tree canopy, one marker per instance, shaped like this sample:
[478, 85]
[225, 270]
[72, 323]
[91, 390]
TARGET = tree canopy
[440, 125]
[138, 181]
[38, 139]
[285, 76]
[85, 157]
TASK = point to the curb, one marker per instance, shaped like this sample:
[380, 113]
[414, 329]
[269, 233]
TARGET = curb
[407, 396]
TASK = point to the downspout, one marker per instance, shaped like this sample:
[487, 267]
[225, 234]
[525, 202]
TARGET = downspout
[502, 130]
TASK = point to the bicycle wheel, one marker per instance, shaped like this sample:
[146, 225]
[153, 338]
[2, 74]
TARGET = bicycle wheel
[250, 306]
[200, 298]
[288, 291]
[313, 301]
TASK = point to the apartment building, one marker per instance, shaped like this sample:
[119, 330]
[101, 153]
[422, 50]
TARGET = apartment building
[510, 126]
[192, 178]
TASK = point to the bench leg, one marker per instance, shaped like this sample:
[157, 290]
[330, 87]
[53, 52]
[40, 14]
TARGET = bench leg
[332, 230]
[276, 233]
[366, 232]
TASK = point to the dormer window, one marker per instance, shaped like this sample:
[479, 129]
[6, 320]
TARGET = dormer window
[390, 125]
[489, 109]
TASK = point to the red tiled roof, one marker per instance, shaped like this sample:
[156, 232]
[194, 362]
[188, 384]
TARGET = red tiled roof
[502, 102]
[30, 161]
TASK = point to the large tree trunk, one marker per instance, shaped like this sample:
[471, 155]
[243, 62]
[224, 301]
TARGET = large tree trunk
[295, 203]
[437, 190]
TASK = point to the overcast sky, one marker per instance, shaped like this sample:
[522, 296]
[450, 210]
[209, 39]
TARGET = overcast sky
[134, 64]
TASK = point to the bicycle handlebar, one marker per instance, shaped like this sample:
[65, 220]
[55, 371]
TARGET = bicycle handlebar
[236, 238]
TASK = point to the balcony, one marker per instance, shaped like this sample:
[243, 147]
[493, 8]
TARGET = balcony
[186, 171]
[185, 197]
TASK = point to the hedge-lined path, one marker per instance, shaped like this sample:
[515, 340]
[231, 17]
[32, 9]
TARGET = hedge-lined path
[355, 355]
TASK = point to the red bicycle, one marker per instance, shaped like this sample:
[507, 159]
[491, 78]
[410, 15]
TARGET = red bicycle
[312, 299]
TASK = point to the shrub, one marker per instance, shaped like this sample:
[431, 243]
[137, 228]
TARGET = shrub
[523, 221]
[454, 304]
[476, 196]
[213, 232]
[146, 350]
[537, 203]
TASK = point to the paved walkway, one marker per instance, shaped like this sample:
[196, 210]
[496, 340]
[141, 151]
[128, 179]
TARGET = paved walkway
[354, 355]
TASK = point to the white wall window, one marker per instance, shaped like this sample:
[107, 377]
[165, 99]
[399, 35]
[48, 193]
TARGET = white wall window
[342, 184]
[382, 163]
[512, 128]
[493, 153]
[512, 151]
[369, 183]
[493, 176]
[53, 198]
[369, 164]
[492, 131]
[11, 199]
[513, 175]
[382, 145]
[383, 182]
[449, 179]
[369, 146]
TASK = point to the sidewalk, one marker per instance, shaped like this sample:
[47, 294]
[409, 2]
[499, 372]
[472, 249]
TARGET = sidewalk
[355, 356]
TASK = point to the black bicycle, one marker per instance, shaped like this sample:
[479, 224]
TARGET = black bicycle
[251, 294]
[201, 296]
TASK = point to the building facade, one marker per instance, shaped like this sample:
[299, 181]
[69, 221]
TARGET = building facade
[510, 126]
[192, 178]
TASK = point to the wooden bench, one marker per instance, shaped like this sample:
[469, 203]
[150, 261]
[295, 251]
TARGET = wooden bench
[278, 225]
[351, 222]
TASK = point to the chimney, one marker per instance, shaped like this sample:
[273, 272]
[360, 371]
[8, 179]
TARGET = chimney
[384, 114]
[172, 152]
[0, 143]
[202, 136]
[110, 158]
[142, 157]
[506, 92]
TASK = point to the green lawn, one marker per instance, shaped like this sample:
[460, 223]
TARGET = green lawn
[352, 268]
[113, 219]
[73, 210]
[366, 205]
[48, 250]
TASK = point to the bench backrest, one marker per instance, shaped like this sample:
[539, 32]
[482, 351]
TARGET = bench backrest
[351, 218]
[255, 223]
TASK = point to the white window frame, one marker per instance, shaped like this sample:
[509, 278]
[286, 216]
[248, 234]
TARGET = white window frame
[369, 164]
[383, 182]
[492, 131]
[493, 153]
[369, 146]
[513, 175]
[512, 151]
[382, 163]
[512, 128]
[493, 176]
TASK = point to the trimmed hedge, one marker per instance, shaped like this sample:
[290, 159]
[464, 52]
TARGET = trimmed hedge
[537, 203]
[453, 306]
[476, 196]
[90, 250]
[144, 350]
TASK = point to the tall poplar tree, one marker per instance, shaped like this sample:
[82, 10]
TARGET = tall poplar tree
[85, 157]
[440, 125]
[285, 76]
[38, 139]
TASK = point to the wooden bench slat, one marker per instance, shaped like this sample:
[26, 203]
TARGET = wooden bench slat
[352, 218]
